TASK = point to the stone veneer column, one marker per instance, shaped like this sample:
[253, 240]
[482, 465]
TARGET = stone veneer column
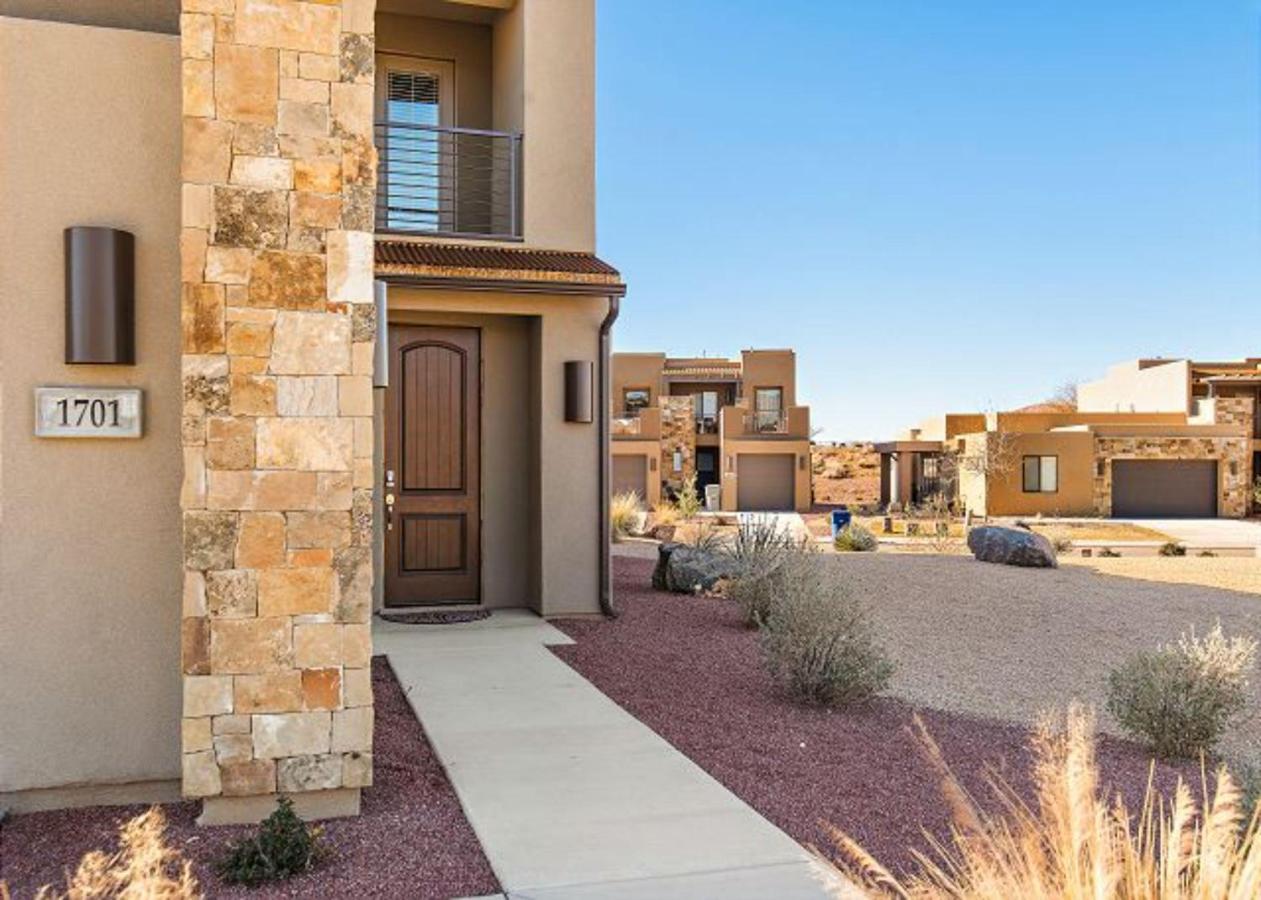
[678, 432]
[278, 328]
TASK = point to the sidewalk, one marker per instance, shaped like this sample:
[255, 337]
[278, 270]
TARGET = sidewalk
[570, 796]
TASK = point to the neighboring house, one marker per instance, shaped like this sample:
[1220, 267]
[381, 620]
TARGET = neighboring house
[190, 611]
[1153, 438]
[728, 422]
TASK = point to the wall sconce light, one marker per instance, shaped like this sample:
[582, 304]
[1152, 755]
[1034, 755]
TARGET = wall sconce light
[578, 391]
[100, 296]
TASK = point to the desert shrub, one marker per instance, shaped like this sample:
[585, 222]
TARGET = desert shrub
[623, 513]
[854, 538]
[144, 866]
[761, 585]
[665, 514]
[284, 846]
[688, 501]
[818, 642]
[1172, 548]
[1206, 553]
[1109, 553]
[758, 545]
[1181, 697]
[1074, 842]
[705, 537]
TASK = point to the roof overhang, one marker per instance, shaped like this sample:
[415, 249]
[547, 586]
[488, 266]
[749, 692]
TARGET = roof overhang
[471, 267]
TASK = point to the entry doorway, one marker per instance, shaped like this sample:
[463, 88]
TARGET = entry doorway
[706, 468]
[433, 466]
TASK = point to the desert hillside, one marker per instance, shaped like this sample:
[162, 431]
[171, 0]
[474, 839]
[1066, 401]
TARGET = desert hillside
[846, 473]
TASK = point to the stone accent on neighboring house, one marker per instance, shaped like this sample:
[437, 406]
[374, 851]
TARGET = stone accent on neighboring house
[1234, 455]
[678, 433]
[1234, 411]
[276, 254]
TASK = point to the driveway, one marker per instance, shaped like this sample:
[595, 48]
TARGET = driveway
[1207, 532]
[1007, 642]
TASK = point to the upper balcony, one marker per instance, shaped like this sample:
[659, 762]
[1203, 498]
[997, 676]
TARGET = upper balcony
[642, 424]
[446, 181]
[481, 134]
[740, 422]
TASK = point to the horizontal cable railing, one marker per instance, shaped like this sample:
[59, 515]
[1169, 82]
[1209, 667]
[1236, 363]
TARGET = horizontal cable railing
[461, 182]
[766, 421]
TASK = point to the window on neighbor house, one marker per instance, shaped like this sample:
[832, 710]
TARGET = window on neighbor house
[635, 399]
[768, 406]
[1041, 474]
[707, 411]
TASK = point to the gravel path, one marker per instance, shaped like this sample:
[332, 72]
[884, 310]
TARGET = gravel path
[411, 841]
[1006, 642]
[687, 668]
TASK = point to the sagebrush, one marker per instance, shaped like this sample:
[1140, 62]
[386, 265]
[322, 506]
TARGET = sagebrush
[1180, 698]
[284, 846]
[817, 639]
[759, 548]
[854, 538]
[1074, 843]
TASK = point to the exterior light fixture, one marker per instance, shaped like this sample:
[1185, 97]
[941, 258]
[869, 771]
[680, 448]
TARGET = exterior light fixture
[100, 296]
[579, 376]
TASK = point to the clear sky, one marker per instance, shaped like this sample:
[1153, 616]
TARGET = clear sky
[940, 204]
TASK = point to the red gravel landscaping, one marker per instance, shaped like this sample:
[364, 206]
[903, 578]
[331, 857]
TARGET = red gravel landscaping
[411, 841]
[688, 668]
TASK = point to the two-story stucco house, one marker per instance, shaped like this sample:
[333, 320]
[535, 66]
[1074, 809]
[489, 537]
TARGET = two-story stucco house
[296, 294]
[732, 423]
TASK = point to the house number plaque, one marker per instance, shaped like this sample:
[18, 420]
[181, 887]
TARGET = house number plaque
[87, 412]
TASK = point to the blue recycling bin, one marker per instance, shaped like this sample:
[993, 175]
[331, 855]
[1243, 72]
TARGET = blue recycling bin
[840, 519]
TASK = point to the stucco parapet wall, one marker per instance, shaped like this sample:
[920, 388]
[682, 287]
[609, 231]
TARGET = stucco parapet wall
[1164, 431]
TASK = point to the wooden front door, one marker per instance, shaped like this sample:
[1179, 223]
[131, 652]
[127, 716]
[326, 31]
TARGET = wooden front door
[433, 466]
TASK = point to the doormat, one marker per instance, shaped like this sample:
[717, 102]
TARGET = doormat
[449, 617]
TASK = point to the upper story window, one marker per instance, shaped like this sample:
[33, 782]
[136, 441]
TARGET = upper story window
[635, 399]
[434, 175]
[768, 408]
[706, 403]
[1040, 474]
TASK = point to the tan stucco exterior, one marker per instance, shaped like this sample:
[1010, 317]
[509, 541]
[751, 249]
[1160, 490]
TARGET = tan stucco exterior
[1139, 386]
[673, 382]
[89, 529]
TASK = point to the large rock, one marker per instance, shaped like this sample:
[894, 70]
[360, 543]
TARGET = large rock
[1011, 547]
[686, 570]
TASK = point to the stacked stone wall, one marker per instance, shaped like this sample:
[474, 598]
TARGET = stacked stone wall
[278, 330]
[678, 433]
[1233, 455]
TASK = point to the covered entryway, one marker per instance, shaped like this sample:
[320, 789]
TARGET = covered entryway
[433, 466]
[1171, 488]
[630, 475]
[765, 482]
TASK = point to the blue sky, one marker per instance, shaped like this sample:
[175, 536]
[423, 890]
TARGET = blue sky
[941, 205]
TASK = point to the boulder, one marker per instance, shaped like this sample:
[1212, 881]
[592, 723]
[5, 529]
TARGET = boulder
[687, 570]
[1011, 547]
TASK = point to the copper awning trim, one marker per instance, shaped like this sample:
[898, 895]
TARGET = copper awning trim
[489, 263]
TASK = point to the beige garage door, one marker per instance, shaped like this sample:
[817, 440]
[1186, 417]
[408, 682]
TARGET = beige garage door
[630, 473]
[1164, 488]
[765, 482]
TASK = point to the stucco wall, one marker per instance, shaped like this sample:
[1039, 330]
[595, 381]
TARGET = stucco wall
[1074, 449]
[565, 481]
[1136, 387]
[636, 370]
[141, 15]
[769, 369]
[89, 529]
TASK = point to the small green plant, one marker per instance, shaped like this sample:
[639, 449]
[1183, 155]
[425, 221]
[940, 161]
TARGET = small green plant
[1181, 697]
[623, 513]
[1206, 553]
[854, 538]
[688, 501]
[818, 642]
[1109, 553]
[1172, 548]
[284, 846]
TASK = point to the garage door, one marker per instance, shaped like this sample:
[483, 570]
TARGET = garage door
[630, 473]
[765, 482]
[1165, 488]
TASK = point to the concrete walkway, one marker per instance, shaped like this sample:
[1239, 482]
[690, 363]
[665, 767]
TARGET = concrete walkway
[571, 796]
[1207, 532]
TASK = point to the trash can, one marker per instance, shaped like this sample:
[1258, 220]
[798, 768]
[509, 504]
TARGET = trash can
[713, 497]
[840, 518]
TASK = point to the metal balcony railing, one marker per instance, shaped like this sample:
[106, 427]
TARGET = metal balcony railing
[627, 423]
[766, 421]
[707, 424]
[451, 182]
